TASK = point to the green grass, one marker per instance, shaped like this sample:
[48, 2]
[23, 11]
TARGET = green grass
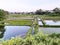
[19, 19]
[19, 22]
[46, 17]
[23, 16]
[26, 19]
[30, 16]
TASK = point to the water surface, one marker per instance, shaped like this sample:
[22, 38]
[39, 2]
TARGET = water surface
[40, 23]
[21, 31]
[13, 31]
[51, 22]
[49, 30]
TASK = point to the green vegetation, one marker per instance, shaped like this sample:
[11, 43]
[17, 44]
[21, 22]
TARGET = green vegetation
[19, 22]
[2, 15]
[30, 16]
[53, 12]
[27, 19]
[29, 32]
[47, 17]
[37, 39]
[2, 30]
[2, 18]
[19, 16]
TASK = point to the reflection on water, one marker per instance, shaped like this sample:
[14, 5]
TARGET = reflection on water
[49, 30]
[12, 31]
[2, 30]
[40, 23]
[51, 22]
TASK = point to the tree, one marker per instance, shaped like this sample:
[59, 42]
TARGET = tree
[2, 17]
[2, 14]
[56, 10]
[40, 12]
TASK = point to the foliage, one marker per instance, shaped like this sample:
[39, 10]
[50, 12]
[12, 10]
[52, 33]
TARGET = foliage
[37, 39]
[55, 11]
[35, 25]
[40, 11]
[2, 30]
[2, 14]
[29, 32]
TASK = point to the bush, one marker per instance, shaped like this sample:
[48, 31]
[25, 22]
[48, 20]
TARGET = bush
[3, 14]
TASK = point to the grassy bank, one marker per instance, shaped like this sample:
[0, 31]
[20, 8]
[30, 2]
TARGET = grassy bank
[19, 16]
[30, 16]
[18, 22]
[56, 26]
[47, 17]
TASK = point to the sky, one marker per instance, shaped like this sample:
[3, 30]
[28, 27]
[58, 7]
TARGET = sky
[28, 5]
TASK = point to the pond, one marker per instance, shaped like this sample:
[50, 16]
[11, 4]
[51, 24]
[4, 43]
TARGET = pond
[21, 31]
[49, 30]
[51, 22]
[13, 31]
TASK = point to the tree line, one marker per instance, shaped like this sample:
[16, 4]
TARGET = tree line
[55, 11]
